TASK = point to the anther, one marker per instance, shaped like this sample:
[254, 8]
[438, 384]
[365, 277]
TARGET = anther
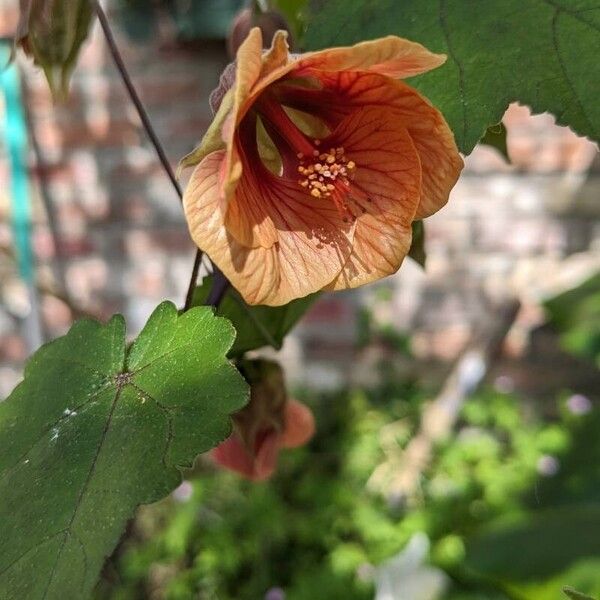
[326, 176]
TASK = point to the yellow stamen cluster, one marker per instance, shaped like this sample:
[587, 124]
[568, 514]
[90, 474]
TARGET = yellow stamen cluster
[323, 169]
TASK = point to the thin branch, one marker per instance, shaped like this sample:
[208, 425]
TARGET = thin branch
[139, 106]
[42, 179]
[143, 114]
[189, 297]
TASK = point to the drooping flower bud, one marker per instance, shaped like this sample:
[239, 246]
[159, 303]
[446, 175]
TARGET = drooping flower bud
[268, 22]
[52, 32]
[268, 423]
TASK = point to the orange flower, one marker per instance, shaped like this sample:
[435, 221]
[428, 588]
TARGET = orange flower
[259, 460]
[316, 165]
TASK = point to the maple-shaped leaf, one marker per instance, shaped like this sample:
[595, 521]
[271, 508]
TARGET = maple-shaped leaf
[94, 430]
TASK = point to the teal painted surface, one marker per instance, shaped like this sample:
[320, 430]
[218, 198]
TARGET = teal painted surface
[14, 133]
[196, 20]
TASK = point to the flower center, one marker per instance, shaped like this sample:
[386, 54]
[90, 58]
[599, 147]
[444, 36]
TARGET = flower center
[322, 170]
[328, 175]
[324, 173]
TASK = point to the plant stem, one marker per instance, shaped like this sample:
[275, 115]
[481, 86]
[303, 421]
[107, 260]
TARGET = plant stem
[137, 102]
[219, 287]
[189, 297]
[147, 124]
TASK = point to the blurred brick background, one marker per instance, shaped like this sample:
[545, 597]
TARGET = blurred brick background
[117, 239]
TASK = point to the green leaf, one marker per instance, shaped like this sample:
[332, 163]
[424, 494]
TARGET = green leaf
[256, 326]
[53, 31]
[576, 315]
[495, 136]
[542, 53]
[294, 11]
[575, 595]
[417, 246]
[548, 542]
[94, 430]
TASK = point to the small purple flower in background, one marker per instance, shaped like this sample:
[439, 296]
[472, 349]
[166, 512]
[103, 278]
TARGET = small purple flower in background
[548, 466]
[578, 404]
[184, 492]
[504, 384]
[275, 593]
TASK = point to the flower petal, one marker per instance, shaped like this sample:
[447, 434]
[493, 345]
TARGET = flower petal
[233, 455]
[441, 163]
[276, 56]
[246, 215]
[254, 71]
[388, 177]
[265, 461]
[379, 248]
[392, 56]
[313, 243]
[299, 425]
[220, 133]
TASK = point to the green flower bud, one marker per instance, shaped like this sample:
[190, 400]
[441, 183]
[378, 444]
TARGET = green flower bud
[52, 32]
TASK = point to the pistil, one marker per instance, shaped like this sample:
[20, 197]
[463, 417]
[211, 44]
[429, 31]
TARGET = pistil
[272, 112]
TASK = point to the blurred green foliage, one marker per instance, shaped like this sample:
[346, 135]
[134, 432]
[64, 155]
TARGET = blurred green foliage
[575, 595]
[198, 19]
[576, 314]
[295, 13]
[499, 527]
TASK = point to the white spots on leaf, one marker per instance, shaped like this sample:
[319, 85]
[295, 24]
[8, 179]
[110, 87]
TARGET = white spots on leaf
[96, 387]
[55, 434]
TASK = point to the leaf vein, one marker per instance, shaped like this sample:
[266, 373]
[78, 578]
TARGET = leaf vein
[461, 72]
[48, 428]
[574, 14]
[84, 488]
[33, 547]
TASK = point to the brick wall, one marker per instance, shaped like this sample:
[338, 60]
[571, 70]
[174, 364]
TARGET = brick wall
[123, 246]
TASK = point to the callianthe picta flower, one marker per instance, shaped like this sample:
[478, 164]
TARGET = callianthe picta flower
[316, 165]
[269, 423]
